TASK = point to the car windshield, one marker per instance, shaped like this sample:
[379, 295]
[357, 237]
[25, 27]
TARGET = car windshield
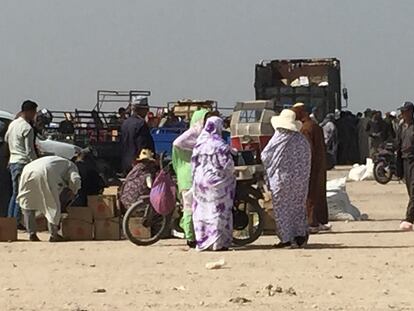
[250, 116]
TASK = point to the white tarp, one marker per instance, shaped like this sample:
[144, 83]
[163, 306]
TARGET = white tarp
[339, 205]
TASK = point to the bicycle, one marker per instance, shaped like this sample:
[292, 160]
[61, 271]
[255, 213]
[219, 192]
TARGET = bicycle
[248, 216]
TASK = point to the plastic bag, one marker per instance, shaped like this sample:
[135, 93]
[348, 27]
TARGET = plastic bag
[356, 173]
[163, 194]
[362, 172]
[369, 172]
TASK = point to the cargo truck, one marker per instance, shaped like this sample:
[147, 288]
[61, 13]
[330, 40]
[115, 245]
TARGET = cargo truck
[314, 82]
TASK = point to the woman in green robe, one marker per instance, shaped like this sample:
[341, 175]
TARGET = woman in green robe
[181, 159]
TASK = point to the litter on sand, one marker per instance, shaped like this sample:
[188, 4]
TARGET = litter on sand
[215, 265]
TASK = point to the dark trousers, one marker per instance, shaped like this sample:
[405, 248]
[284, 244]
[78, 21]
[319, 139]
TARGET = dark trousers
[409, 181]
[6, 191]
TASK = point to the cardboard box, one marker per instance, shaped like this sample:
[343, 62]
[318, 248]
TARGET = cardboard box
[107, 229]
[80, 213]
[8, 229]
[103, 206]
[41, 223]
[113, 190]
[77, 230]
[137, 229]
[269, 225]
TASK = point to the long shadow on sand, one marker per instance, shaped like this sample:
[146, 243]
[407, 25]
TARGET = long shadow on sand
[362, 232]
[312, 246]
[319, 246]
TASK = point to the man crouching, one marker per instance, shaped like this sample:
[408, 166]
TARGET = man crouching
[41, 184]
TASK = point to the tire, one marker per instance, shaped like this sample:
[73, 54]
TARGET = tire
[253, 207]
[156, 223]
[380, 173]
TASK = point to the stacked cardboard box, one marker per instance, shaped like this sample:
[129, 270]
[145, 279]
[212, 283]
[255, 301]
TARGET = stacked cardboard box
[269, 225]
[41, 223]
[106, 217]
[78, 225]
[8, 229]
[138, 230]
[112, 190]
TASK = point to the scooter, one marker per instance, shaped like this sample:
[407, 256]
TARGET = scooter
[385, 164]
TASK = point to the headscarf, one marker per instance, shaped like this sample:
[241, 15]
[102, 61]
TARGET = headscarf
[210, 137]
[188, 139]
[214, 156]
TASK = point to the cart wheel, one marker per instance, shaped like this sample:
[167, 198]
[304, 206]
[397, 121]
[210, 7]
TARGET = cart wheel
[248, 223]
[142, 225]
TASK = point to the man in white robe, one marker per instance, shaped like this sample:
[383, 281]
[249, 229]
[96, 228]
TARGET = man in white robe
[41, 184]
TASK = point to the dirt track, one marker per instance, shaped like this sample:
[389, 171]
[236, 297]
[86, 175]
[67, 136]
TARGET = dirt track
[359, 266]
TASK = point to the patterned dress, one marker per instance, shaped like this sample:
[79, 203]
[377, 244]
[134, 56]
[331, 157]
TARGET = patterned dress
[214, 189]
[135, 184]
[287, 160]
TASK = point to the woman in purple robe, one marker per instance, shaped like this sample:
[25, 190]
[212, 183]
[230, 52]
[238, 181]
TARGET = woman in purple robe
[214, 188]
[287, 161]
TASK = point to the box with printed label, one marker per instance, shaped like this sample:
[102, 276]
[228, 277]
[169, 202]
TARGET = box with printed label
[77, 230]
[107, 229]
[103, 206]
[137, 229]
[81, 213]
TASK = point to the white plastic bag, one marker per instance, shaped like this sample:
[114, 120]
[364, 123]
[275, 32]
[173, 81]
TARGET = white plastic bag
[356, 173]
[369, 170]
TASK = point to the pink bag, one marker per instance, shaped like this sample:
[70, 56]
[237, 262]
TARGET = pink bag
[162, 196]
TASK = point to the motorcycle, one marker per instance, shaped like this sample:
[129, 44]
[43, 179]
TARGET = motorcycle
[248, 216]
[385, 164]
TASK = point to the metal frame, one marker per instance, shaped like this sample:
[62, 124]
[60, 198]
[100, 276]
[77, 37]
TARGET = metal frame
[105, 96]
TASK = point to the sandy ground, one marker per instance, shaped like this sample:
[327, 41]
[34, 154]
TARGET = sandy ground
[359, 266]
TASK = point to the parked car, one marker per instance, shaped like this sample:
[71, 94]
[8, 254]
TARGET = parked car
[45, 146]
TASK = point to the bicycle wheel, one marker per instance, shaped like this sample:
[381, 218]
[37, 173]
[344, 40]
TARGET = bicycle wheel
[247, 221]
[142, 225]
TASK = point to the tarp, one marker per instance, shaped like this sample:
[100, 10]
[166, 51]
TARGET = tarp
[339, 205]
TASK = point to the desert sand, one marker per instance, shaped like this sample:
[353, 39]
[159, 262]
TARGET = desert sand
[358, 266]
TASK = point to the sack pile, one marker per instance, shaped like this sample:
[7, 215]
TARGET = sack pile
[339, 205]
